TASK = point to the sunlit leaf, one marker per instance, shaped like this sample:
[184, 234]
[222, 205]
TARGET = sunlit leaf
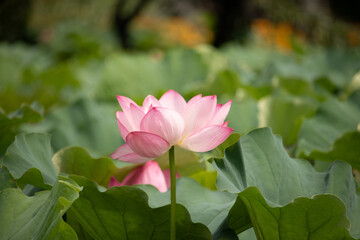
[207, 179]
[186, 163]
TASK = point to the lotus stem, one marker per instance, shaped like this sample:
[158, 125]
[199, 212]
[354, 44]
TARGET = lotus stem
[173, 194]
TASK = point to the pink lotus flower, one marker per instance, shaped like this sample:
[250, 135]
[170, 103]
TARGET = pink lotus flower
[150, 130]
[148, 173]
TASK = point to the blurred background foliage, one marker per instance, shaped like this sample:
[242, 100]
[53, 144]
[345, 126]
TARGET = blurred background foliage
[286, 64]
[144, 24]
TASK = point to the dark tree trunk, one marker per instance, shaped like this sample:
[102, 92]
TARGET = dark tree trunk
[348, 10]
[233, 20]
[122, 20]
[14, 17]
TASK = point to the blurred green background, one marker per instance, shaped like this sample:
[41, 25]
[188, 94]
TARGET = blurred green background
[291, 65]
